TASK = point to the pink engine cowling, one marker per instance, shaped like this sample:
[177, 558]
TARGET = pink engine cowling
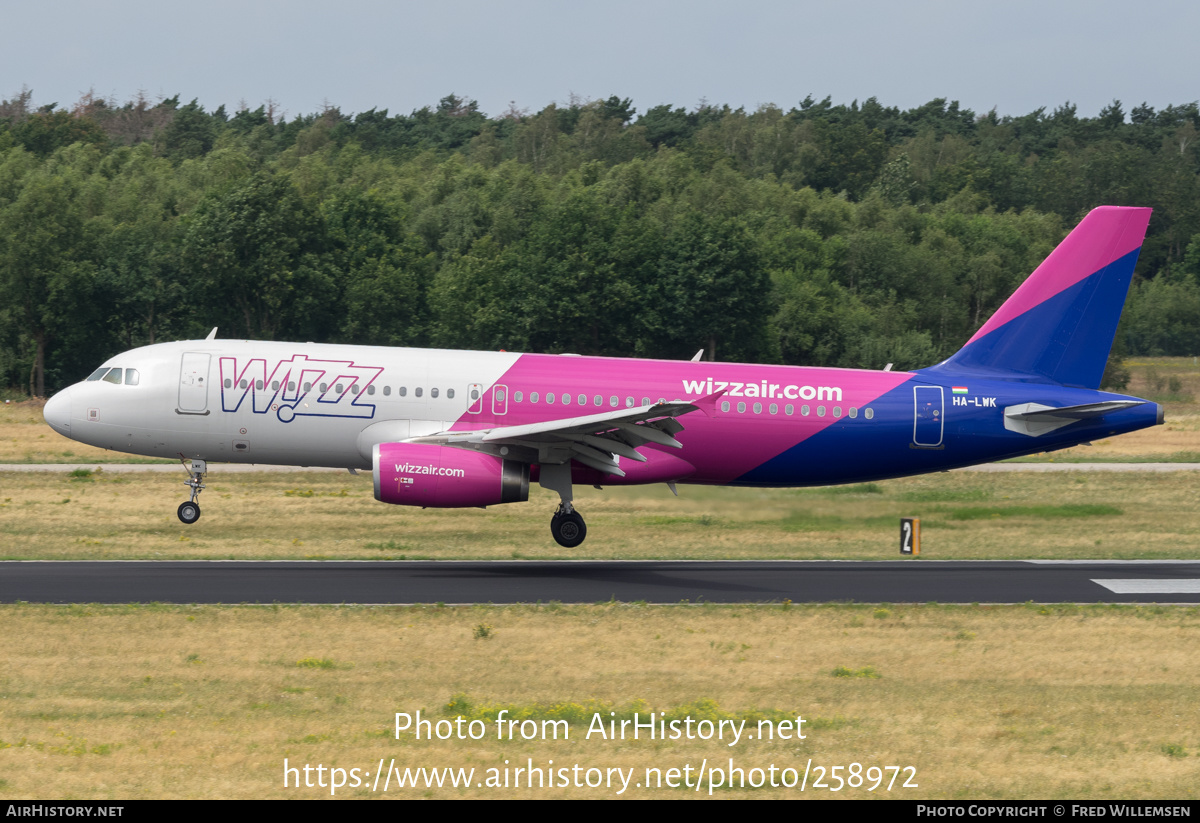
[417, 474]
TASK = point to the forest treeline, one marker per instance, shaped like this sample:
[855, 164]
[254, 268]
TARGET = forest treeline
[818, 235]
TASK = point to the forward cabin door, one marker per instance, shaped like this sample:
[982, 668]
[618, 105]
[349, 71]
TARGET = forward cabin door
[193, 383]
[927, 416]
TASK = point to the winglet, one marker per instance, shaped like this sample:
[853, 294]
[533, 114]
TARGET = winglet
[212, 335]
[708, 403]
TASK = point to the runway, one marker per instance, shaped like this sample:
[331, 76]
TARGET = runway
[508, 582]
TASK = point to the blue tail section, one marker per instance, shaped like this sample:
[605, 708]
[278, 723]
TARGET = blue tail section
[1058, 327]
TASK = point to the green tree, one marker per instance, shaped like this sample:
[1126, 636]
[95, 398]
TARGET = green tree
[254, 259]
[45, 271]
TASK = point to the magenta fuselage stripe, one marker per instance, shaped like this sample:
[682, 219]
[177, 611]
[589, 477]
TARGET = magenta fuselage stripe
[1106, 235]
[723, 446]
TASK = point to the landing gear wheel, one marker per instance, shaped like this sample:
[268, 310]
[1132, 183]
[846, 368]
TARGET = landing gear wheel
[568, 529]
[189, 512]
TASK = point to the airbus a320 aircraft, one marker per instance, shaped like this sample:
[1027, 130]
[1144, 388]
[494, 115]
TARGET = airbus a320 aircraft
[461, 428]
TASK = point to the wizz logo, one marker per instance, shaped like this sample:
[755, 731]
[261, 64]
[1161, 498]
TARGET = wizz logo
[298, 387]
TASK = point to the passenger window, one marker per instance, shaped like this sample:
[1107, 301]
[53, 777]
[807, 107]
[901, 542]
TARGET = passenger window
[774, 408]
[274, 385]
[533, 397]
[499, 395]
[612, 401]
[338, 388]
[354, 389]
[629, 402]
[244, 384]
[645, 401]
[582, 399]
[789, 409]
[113, 376]
[516, 396]
[417, 391]
[402, 391]
[98, 373]
[549, 397]
[433, 392]
[132, 377]
[741, 408]
[758, 408]
[870, 413]
[291, 385]
[598, 400]
[837, 411]
[475, 394]
[724, 405]
[804, 410]
[324, 388]
[450, 394]
[820, 411]
[387, 391]
[853, 412]
[566, 399]
[308, 386]
[258, 385]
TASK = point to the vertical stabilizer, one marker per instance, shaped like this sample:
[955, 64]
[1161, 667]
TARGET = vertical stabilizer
[1059, 325]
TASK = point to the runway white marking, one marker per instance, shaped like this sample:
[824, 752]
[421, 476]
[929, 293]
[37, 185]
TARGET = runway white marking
[1151, 586]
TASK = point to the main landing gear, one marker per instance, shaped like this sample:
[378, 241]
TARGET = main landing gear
[567, 526]
[189, 511]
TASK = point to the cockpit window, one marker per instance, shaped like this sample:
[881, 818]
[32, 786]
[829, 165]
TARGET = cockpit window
[132, 377]
[98, 373]
[113, 376]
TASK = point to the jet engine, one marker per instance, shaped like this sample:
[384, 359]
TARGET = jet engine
[418, 474]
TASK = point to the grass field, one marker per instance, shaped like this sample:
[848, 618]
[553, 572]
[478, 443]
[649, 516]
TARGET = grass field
[93, 514]
[1009, 702]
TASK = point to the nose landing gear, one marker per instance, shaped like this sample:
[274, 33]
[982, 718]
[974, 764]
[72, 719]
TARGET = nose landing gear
[189, 511]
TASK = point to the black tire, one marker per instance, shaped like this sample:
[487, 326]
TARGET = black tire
[189, 512]
[569, 530]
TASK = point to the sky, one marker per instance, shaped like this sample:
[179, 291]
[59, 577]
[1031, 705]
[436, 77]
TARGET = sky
[1014, 56]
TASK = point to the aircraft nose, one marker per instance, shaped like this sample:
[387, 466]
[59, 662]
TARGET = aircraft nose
[57, 412]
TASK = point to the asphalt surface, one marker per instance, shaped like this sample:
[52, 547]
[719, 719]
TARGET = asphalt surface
[598, 581]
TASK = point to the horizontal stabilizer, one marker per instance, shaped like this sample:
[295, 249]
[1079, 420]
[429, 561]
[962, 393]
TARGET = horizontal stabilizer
[1035, 419]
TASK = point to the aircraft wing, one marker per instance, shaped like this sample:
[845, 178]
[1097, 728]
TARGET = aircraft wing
[594, 440]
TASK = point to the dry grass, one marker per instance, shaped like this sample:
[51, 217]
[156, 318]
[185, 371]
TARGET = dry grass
[1009, 702]
[25, 438]
[965, 515]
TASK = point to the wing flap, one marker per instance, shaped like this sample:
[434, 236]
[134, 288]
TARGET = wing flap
[595, 440]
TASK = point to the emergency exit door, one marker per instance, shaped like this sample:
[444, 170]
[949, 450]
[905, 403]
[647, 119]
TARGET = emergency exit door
[928, 415]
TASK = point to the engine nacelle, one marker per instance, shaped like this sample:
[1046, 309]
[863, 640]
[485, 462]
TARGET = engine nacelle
[418, 474]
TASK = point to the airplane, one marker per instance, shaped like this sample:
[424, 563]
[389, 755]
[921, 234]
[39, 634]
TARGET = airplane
[443, 428]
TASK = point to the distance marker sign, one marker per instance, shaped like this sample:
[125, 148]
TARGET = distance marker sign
[910, 536]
